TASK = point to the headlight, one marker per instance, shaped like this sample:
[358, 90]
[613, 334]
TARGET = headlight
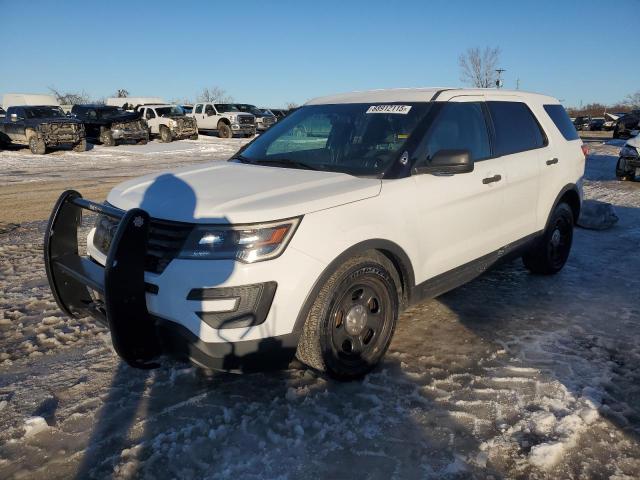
[628, 151]
[246, 243]
[233, 118]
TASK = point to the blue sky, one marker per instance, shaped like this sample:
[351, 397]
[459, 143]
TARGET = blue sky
[270, 53]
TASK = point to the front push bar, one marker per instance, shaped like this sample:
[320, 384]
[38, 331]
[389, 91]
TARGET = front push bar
[113, 294]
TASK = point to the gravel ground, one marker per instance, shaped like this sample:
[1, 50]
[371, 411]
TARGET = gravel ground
[510, 376]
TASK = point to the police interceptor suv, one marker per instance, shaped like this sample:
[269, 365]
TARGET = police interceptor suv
[313, 237]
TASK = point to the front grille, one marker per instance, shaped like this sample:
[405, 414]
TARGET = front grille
[246, 120]
[130, 125]
[268, 120]
[165, 240]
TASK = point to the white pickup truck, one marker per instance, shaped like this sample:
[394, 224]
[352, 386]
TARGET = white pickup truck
[169, 122]
[225, 118]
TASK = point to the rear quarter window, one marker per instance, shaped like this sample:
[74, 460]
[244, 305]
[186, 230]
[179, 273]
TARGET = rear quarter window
[559, 116]
[516, 128]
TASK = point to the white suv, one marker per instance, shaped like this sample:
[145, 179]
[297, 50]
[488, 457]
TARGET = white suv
[314, 236]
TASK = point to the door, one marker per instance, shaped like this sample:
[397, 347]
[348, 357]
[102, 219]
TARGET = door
[210, 117]
[520, 142]
[92, 128]
[199, 116]
[459, 215]
[16, 129]
[152, 120]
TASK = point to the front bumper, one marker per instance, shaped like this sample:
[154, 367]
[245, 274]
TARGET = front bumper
[130, 134]
[243, 129]
[65, 139]
[187, 310]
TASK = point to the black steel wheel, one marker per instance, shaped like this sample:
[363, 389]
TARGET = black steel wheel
[551, 251]
[352, 320]
[224, 130]
[165, 134]
[37, 145]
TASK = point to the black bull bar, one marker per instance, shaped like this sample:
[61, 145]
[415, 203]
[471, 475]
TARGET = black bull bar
[115, 293]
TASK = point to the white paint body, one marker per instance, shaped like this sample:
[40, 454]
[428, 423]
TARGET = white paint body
[440, 222]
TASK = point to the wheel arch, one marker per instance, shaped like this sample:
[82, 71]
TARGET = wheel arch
[569, 195]
[225, 121]
[389, 249]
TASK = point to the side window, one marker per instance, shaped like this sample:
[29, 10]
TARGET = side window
[458, 126]
[208, 110]
[558, 114]
[517, 130]
[91, 114]
[198, 108]
[150, 114]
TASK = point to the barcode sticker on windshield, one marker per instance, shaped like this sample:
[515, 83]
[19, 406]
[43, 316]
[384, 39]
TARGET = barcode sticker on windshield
[398, 109]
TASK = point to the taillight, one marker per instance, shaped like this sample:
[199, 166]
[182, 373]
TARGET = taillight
[585, 150]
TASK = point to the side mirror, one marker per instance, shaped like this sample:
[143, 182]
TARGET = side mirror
[14, 117]
[446, 162]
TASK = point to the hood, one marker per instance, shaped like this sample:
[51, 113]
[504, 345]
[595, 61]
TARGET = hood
[55, 120]
[225, 192]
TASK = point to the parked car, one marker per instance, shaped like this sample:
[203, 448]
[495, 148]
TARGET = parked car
[581, 123]
[131, 103]
[628, 166]
[2, 112]
[312, 244]
[187, 108]
[169, 122]
[41, 127]
[224, 118]
[264, 118]
[110, 125]
[627, 125]
[596, 124]
[610, 120]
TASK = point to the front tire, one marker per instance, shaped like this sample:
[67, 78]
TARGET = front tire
[165, 134]
[37, 145]
[550, 252]
[224, 130]
[107, 138]
[194, 136]
[352, 320]
[81, 146]
[621, 173]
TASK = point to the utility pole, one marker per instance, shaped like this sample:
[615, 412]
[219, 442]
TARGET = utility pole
[499, 80]
[517, 84]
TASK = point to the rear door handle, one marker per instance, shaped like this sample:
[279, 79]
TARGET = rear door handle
[495, 178]
[553, 161]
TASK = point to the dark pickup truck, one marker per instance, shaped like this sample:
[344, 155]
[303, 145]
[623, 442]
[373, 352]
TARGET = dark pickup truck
[109, 125]
[41, 127]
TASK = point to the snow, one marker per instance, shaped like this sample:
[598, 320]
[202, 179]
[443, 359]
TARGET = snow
[512, 375]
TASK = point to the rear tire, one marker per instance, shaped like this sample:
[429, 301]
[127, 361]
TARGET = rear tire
[81, 146]
[165, 134]
[224, 130]
[37, 145]
[143, 141]
[194, 136]
[550, 252]
[352, 320]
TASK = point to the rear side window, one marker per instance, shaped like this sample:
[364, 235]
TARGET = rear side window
[516, 129]
[198, 108]
[459, 126]
[558, 114]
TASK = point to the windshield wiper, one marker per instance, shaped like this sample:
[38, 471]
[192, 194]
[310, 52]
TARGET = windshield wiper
[287, 163]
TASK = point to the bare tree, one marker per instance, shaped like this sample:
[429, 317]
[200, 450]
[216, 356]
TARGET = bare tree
[291, 105]
[478, 67]
[70, 98]
[214, 95]
[121, 93]
[633, 100]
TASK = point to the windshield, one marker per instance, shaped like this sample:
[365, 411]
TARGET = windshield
[44, 112]
[107, 113]
[359, 139]
[173, 111]
[244, 107]
[226, 107]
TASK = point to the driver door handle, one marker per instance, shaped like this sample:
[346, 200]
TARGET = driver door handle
[552, 161]
[495, 178]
